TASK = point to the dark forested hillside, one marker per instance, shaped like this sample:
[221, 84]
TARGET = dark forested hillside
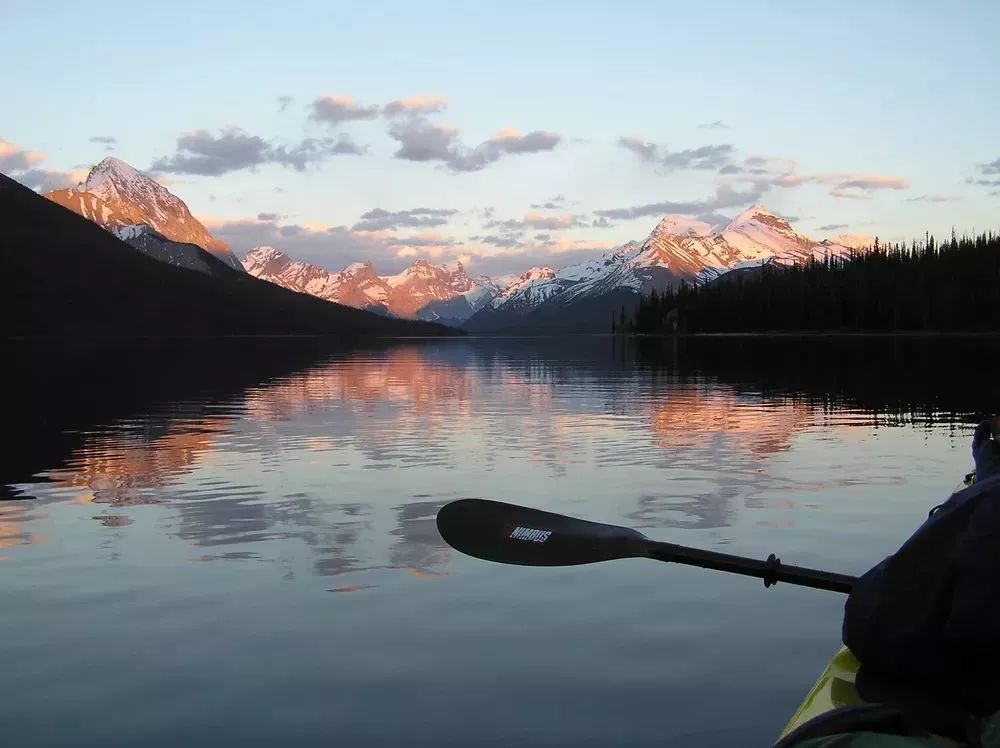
[63, 276]
[931, 286]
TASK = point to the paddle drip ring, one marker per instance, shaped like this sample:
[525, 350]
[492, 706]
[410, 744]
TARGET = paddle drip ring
[771, 574]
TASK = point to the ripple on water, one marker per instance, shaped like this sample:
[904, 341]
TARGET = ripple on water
[179, 559]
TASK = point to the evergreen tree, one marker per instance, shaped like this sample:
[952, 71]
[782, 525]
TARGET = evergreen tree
[946, 287]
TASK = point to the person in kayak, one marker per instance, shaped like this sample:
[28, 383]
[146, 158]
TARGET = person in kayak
[925, 625]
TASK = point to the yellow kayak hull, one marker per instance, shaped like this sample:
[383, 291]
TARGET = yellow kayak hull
[835, 688]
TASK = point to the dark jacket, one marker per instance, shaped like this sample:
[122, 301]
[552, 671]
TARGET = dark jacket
[931, 611]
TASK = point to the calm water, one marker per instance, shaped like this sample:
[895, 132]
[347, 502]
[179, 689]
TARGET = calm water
[241, 550]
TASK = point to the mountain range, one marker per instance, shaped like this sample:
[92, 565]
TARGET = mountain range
[139, 211]
[66, 278]
[422, 291]
[678, 249]
[579, 297]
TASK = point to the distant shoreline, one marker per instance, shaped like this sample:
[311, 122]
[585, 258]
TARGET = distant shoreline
[827, 334]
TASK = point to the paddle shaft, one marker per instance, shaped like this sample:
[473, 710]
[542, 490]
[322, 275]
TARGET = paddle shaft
[511, 534]
[771, 571]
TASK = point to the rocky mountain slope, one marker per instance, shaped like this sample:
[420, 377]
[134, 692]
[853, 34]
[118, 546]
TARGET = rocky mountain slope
[422, 291]
[115, 196]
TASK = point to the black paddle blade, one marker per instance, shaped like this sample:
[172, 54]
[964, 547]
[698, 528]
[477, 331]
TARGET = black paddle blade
[509, 534]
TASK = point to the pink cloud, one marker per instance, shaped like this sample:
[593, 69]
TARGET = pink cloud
[539, 221]
[422, 104]
[840, 192]
[13, 158]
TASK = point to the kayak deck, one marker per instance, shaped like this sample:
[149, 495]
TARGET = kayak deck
[835, 688]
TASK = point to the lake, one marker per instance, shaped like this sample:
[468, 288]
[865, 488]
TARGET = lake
[236, 545]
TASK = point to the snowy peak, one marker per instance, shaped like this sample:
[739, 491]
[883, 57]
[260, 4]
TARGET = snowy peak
[755, 213]
[265, 259]
[675, 225]
[121, 195]
[112, 178]
[761, 217]
[538, 273]
[677, 248]
[421, 291]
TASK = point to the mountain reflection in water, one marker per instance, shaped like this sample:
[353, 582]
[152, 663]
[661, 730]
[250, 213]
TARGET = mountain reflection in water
[208, 501]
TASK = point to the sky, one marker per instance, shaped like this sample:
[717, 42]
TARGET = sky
[515, 134]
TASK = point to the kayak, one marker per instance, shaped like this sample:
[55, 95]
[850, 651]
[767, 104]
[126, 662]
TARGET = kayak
[835, 692]
[835, 689]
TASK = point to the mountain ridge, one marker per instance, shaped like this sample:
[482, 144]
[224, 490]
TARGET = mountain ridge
[421, 291]
[115, 195]
[677, 249]
[63, 277]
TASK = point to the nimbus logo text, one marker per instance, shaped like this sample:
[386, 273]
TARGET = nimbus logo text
[530, 534]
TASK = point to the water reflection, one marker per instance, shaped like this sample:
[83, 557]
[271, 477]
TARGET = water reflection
[259, 470]
[270, 514]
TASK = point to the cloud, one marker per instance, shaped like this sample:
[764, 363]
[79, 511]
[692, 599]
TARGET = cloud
[415, 105]
[379, 219]
[269, 217]
[201, 152]
[284, 102]
[708, 157]
[725, 197]
[867, 181]
[769, 171]
[422, 140]
[506, 142]
[602, 223]
[498, 240]
[838, 192]
[108, 141]
[331, 247]
[553, 203]
[930, 199]
[993, 167]
[716, 125]
[334, 110]
[832, 227]
[540, 221]
[44, 180]
[509, 224]
[13, 158]
[22, 165]
[422, 240]
[563, 244]
[990, 175]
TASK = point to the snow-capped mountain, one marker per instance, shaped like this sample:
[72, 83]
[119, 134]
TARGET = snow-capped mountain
[115, 196]
[421, 291]
[677, 249]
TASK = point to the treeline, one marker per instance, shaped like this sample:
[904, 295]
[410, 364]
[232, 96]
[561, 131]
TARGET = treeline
[947, 286]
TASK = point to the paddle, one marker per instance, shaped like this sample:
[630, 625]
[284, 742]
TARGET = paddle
[510, 534]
